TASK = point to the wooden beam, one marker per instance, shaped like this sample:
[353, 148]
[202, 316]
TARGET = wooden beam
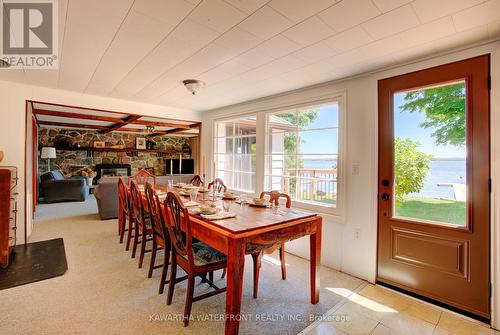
[161, 124]
[119, 125]
[71, 125]
[175, 131]
[78, 116]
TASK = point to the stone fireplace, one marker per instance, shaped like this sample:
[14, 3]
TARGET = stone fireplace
[112, 170]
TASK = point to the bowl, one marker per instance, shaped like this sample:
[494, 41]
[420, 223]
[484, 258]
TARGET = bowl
[208, 210]
[258, 201]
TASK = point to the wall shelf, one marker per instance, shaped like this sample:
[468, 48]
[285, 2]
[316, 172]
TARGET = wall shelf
[90, 149]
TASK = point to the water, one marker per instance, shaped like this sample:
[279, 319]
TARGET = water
[440, 171]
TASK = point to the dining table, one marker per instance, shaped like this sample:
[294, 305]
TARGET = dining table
[252, 229]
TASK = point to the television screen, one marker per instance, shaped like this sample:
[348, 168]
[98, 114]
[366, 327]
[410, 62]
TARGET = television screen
[187, 166]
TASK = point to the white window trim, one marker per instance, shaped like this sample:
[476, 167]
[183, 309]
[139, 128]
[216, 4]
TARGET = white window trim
[260, 114]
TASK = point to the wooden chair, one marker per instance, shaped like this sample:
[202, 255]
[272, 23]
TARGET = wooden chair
[218, 184]
[124, 211]
[142, 177]
[142, 224]
[196, 181]
[196, 259]
[274, 198]
[161, 239]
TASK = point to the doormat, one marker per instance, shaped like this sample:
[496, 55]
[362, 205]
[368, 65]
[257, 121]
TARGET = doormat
[33, 262]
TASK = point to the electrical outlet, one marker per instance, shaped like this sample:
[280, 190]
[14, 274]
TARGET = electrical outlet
[357, 233]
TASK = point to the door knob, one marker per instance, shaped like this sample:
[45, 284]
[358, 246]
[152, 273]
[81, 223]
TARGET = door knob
[384, 196]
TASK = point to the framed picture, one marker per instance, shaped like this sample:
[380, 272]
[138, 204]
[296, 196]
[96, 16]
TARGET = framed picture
[140, 143]
[99, 144]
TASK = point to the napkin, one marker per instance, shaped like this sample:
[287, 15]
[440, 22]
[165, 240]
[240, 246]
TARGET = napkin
[190, 204]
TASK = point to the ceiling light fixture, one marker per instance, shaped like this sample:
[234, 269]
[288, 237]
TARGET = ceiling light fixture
[150, 129]
[4, 64]
[193, 85]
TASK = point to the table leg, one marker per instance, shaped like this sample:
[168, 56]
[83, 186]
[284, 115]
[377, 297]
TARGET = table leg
[235, 267]
[315, 246]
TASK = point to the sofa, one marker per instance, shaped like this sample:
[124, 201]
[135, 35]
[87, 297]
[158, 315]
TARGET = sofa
[106, 194]
[55, 187]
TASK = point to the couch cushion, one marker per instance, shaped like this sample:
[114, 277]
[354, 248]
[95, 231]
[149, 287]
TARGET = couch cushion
[57, 175]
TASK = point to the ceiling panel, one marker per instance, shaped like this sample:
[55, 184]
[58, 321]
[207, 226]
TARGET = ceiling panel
[89, 30]
[309, 31]
[142, 50]
[349, 13]
[265, 23]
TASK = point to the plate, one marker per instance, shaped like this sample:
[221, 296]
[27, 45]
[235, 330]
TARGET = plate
[258, 205]
[230, 198]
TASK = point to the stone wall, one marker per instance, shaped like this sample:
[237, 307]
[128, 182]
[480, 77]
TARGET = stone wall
[71, 162]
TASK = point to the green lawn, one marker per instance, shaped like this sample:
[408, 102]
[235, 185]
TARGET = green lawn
[448, 211]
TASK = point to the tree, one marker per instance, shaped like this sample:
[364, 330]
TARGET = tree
[410, 167]
[444, 109]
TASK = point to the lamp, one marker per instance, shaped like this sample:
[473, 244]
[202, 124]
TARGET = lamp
[48, 153]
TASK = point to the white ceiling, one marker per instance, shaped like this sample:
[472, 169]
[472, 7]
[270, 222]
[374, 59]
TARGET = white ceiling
[244, 49]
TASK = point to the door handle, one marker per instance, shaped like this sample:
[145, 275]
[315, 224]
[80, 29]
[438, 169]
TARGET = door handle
[384, 196]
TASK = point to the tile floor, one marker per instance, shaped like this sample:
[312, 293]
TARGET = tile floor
[375, 310]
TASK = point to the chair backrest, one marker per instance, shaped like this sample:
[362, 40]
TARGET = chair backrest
[218, 184]
[178, 218]
[160, 232]
[142, 177]
[196, 181]
[123, 195]
[274, 197]
[136, 202]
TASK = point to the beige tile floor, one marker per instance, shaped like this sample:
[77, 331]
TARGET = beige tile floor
[375, 310]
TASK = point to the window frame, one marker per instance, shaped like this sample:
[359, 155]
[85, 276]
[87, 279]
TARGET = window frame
[261, 128]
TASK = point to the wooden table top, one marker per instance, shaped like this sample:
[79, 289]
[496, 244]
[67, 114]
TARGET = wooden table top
[247, 217]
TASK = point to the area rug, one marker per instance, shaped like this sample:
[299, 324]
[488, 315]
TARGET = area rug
[33, 262]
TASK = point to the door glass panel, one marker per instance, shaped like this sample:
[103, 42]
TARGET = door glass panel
[430, 154]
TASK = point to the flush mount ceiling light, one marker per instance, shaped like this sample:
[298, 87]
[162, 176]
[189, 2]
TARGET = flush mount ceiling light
[150, 129]
[4, 64]
[193, 85]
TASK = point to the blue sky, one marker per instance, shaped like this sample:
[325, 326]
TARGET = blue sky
[407, 125]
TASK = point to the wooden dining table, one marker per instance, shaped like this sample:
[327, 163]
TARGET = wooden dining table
[254, 229]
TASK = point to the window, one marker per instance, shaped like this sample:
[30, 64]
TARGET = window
[235, 153]
[302, 154]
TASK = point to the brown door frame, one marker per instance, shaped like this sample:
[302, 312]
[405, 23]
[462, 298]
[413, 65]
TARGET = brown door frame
[478, 176]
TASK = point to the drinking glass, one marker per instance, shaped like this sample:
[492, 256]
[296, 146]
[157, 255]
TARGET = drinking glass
[170, 184]
[243, 198]
[226, 205]
[193, 194]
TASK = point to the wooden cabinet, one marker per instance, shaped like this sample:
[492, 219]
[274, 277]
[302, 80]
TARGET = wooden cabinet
[8, 213]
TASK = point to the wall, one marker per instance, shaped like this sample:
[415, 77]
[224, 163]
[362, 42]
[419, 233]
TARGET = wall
[71, 162]
[13, 139]
[340, 247]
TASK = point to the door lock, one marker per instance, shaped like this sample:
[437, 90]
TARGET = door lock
[385, 182]
[384, 196]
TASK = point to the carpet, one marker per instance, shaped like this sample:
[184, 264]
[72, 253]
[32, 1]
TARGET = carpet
[104, 292]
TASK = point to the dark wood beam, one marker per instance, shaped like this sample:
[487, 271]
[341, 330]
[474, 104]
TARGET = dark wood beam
[161, 124]
[71, 125]
[119, 125]
[78, 116]
[176, 131]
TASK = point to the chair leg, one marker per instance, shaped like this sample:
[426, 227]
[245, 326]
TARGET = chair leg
[166, 260]
[282, 260]
[143, 249]
[136, 240]
[129, 233]
[120, 221]
[211, 276]
[171, 284]
[122, 226]
[257, 257]
[189, 300]
[153, 259]
[223, 274]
